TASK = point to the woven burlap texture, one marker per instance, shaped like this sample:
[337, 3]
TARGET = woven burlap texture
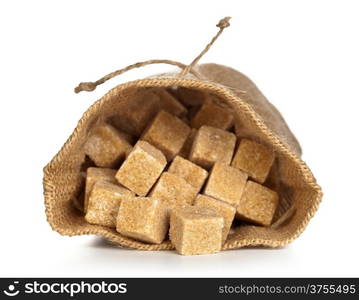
[254, 116]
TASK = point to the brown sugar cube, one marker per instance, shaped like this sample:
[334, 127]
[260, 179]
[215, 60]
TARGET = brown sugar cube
[224, 209]
[212, 115]
[226, 183]
[104, 202]
[167, 133]
[192, 97]
[186, 148]
[212, 145]
[94, 175]
[174, 190]
[258, 204]
[169, 103]
[141, 168]
[107, 147]
[138, 112]
[196, 230]
[253, 158]
[144, 219]
[190, 172]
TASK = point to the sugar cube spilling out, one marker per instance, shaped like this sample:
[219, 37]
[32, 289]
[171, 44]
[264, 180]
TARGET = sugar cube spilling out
[143, 218]
[196, 230]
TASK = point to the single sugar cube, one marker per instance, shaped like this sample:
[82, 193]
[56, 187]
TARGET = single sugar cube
[169, 103]
[186, 148]
[224, 209]
[196, 230]
[257, 204]
[141, 168]
[212, 145]
[94, 175]
[104, 202]
[107, 147]
[192, 97]
[253, 158]
[174, 190]
[189, 171]
[142, 218]
[167, 133]
[138, 112]
[226, 183]
[213, 115]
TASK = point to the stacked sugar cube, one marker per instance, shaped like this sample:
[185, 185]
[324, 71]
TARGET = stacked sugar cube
[170, 163]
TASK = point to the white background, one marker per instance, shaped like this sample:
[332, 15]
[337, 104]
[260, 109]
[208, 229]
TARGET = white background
[302, 54]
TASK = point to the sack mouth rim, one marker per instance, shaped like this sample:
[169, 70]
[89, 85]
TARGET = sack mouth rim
[225, 93]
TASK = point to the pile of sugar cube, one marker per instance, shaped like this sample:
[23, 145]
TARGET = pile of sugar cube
[171, 167]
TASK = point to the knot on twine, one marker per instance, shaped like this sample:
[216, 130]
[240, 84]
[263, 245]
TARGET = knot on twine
[224, 23]
[85, 86]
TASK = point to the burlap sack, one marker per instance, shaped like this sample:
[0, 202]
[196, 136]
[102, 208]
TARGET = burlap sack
[255, 117]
